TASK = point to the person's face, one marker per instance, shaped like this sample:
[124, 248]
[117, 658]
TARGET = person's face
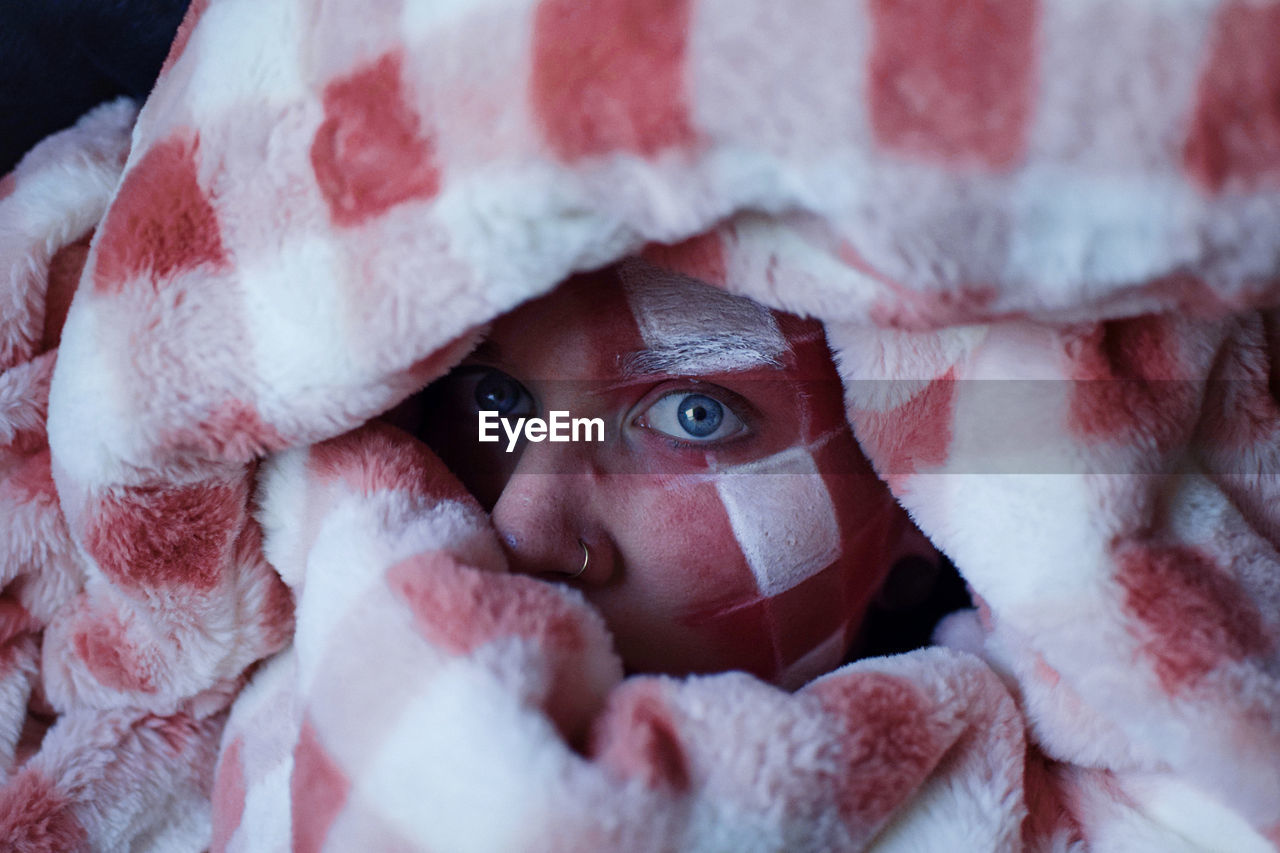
[731, 521]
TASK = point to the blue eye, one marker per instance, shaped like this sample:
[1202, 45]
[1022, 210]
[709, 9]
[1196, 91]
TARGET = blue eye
[498, 392]
[692, 417]
[698, 415]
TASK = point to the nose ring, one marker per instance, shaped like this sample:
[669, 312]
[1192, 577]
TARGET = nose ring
[586, 558]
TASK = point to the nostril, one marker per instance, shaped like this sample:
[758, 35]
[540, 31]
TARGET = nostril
[562, 566]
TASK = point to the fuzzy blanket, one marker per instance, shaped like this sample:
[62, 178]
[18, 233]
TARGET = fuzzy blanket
[1044, 238]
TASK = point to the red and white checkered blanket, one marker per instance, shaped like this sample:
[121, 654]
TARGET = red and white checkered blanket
[1044, 237]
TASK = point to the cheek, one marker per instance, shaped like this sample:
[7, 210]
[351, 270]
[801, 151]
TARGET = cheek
[870, 520]
[762, 572]
[815, 556]
[676, 605]
[678, 545]
[783, 518]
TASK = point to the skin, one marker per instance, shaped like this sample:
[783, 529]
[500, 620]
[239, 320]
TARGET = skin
[666, 569]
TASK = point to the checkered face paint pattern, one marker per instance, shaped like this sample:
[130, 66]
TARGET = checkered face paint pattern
[704, 556]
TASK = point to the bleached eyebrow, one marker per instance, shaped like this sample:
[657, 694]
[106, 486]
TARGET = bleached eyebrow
[691, 328]
[708, 355]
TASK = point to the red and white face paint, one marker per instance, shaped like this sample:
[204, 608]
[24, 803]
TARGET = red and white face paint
[757, 546]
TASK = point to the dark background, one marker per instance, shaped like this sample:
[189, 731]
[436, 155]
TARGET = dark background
[58, 58]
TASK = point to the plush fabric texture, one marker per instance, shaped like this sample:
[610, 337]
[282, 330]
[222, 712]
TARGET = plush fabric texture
[1044, 238]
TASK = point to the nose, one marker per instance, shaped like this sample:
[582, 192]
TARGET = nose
[548, 522]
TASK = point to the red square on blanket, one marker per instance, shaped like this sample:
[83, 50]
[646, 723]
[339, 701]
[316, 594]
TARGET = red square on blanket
[609, 76]
[953, 81]
[1235, 133]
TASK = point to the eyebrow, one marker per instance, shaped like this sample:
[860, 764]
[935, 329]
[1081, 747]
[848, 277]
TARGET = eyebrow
[691, 328]
[724, 353]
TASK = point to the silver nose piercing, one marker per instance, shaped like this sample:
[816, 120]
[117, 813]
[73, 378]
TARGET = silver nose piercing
[586, 558]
